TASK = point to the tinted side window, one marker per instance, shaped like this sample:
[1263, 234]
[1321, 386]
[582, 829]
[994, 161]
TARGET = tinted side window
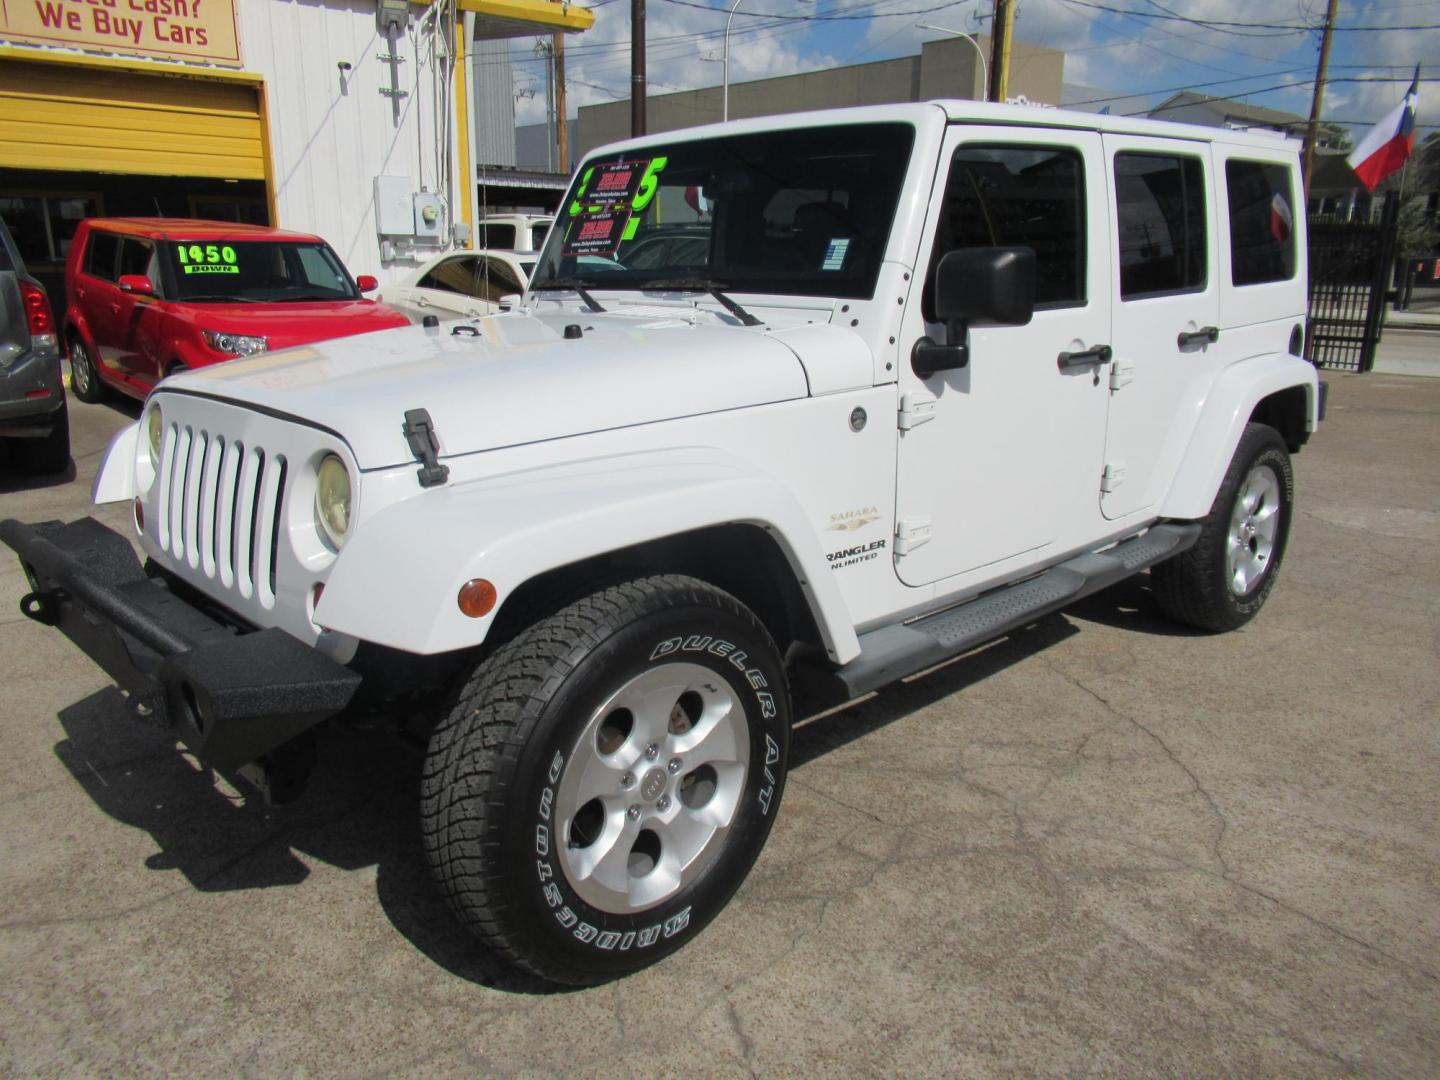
[497, 236]
[537, 235]
[484, 279]
[1262, 233]
[498, 280]
[452, 275]
[101, 256]
[135, 256]
[1033, 196]
[1160, 204]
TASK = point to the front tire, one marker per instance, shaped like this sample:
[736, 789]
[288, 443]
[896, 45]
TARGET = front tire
[1221, 582]
[605, 781]
[84, 379]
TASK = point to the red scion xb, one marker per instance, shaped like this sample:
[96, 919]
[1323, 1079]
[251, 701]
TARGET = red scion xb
[149, 296]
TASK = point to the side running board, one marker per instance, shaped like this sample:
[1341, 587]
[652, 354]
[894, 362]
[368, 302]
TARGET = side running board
[901, 649]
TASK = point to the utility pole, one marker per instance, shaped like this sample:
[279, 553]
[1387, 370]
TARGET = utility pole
[1312, 129]
[562, 131]
[637, 67]
[1003, 23]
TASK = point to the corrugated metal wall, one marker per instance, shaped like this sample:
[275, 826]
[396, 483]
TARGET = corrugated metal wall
[494, 89]
[332, 131]
[62, 117]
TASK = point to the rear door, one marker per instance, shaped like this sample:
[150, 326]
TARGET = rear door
[1166, 332]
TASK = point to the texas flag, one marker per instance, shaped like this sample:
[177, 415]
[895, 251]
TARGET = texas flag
[1389, 142]
[1280, 220]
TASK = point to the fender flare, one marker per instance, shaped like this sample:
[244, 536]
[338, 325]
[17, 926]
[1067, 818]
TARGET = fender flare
[396, 580]
[77, 326]
[115, 480]
[1223, 415]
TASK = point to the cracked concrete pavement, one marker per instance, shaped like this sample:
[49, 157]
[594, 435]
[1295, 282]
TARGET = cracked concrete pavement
[1104, 845]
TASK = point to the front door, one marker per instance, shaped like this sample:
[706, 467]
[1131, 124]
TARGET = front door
[1001, 459]
[138, 317]
[1167, 314]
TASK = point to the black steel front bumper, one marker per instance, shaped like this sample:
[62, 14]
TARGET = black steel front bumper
[231, 697]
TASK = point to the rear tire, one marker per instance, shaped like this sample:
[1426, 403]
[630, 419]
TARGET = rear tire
[50, 454]
[84, 379]
[1221, 582]
[604, 782]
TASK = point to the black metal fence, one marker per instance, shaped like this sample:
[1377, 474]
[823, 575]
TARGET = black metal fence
[1349, 271]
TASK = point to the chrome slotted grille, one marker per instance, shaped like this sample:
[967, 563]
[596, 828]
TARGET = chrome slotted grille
[220, 509]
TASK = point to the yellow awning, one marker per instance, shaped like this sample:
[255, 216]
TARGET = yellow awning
[521, 18]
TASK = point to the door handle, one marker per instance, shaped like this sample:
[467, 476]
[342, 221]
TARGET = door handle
[1206, 335]
[420, 301]
[1099, 354]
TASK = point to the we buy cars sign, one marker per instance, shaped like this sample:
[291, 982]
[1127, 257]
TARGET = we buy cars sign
[185, 29]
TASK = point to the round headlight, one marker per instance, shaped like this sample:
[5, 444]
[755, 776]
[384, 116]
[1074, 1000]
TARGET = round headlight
[154, 434]
[332, 499]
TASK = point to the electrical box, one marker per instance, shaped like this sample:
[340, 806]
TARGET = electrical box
[394, 212]
[430, 218]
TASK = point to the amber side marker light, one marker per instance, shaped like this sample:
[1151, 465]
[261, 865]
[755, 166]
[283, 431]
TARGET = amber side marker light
[477, 598]
[139, 514]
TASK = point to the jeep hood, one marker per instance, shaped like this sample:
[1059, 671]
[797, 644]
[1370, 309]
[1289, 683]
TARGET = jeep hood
[509, 379]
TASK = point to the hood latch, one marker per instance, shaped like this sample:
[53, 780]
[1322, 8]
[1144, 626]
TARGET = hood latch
[420, 434]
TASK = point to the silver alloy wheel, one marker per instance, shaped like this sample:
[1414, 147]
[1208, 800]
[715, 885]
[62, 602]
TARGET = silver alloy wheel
[1254, 525]
[80, 370]
[651, 787]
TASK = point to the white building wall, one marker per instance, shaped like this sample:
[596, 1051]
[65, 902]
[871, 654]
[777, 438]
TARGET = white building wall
[332, 131]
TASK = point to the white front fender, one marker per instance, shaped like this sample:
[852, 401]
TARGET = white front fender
[396, 580]
[115, 482]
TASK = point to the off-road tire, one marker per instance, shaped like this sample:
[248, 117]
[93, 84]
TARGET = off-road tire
[490, 816]
[84, 377]
[1196, 586]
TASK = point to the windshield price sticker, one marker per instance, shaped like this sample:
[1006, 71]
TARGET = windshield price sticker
[615, 183]
[613, 186]
[594, 234]
[207, 259]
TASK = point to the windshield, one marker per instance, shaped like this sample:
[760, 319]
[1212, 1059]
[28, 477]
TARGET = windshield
[267, 270]
[804, 212]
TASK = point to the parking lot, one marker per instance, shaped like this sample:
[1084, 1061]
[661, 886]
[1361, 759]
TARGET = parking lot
[1103, 845]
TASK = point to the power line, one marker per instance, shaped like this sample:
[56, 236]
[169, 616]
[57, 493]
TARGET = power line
[823, 18]
[1220, 23]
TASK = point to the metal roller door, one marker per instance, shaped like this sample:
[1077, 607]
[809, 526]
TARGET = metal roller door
[73, 118]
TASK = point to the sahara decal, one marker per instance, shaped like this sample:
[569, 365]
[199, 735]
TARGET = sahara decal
[851, 520]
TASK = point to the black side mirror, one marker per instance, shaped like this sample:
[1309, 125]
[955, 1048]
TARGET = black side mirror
[990, 286]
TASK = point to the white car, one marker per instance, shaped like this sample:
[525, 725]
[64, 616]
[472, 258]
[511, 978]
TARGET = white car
[913, 377]
[460, 285]
[512, 232]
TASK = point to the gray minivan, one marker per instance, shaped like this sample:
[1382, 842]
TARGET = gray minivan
[33, 416]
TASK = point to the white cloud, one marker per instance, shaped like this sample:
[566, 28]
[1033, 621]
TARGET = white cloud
[1122, 55]
[685, 45]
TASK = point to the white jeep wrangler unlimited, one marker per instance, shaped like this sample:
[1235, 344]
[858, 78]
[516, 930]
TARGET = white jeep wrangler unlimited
[878, 386]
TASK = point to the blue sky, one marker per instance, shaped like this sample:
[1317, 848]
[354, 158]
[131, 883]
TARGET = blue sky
[1138, 47]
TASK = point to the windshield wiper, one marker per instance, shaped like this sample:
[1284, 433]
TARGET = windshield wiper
[714, 288]
[565, 284]
[219, 299]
